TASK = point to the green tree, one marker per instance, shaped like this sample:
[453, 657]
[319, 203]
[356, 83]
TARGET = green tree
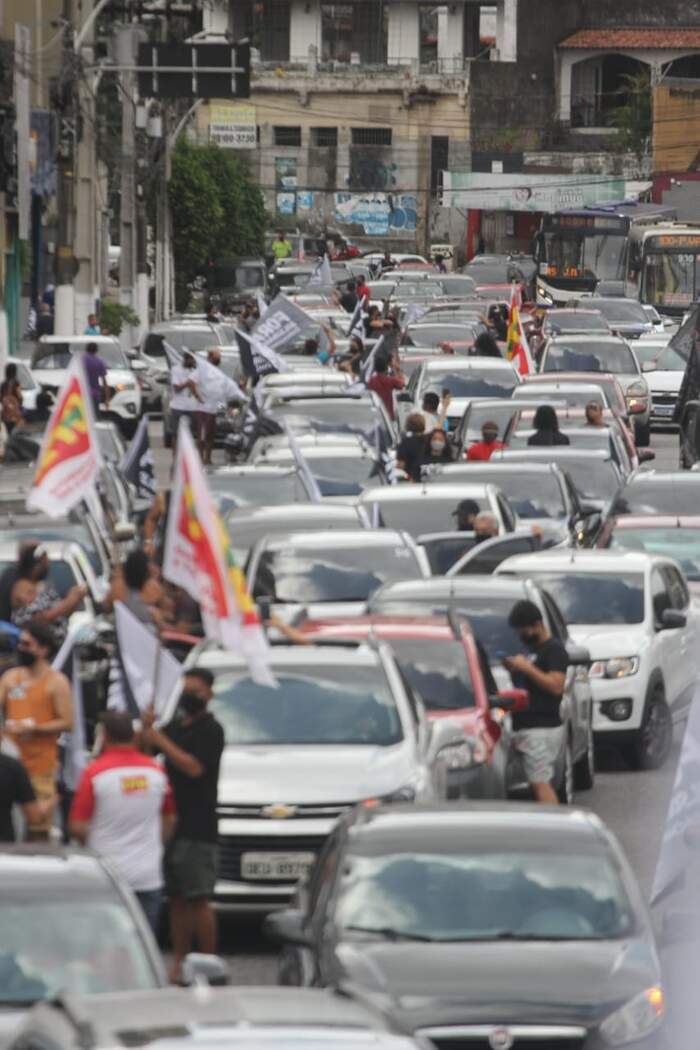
[217, 209]
[632, 117]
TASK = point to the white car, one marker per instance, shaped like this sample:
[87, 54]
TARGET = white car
[634, 614]
[664, 369]
[51, 358]
[467, 379]
[69, 566]
[424, 508]
[339, 729]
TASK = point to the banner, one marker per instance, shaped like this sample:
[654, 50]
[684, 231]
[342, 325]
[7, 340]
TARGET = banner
[263, 360]
[543, 193]
[69, 461]
[232, 125]
[198, 558]
[282, 324]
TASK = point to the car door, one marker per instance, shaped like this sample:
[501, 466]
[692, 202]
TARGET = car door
[667, 641]
[688, 638]
[577, 703]
[485, 558]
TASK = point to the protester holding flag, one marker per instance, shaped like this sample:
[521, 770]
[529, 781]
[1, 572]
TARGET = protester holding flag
[137, 465]
[35, 701]
[518, 351]
[186, 398]
[486, 346]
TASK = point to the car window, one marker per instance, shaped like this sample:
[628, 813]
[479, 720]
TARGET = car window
[615, 357]
[595, 597]
[487, 561]
[677, 589]
[312, 705]
[660, 597]
[347, 574]
[422, 515]
[443, 552]
[506, 513]
[476, 382]
[437, 670]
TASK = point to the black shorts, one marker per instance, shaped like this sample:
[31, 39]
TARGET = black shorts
[189, 868]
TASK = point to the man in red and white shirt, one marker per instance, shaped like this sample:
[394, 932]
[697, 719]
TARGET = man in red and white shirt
[124, 810]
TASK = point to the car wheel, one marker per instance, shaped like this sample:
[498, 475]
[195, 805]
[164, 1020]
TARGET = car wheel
[565, 791]
[584, 769]
[642, 435]
[653, 740]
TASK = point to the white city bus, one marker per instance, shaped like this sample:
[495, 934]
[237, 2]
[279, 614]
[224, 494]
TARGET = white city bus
[663, 266]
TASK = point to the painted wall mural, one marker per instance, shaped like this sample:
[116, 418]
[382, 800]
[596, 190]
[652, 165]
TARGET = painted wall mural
[378, 213]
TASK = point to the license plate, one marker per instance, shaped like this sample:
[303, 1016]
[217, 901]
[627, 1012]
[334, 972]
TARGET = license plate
[275, 866]
[664, 410]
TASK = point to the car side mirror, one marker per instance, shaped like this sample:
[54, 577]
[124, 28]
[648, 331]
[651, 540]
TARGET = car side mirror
[286, 927]
[671, 619]
[511, 700]
[645, 455]
[578, 655]
[648, 366]
[201, 969]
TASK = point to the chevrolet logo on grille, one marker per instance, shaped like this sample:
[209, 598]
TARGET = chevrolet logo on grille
[278, 811]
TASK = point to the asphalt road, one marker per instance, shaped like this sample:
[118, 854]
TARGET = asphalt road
[633, 804]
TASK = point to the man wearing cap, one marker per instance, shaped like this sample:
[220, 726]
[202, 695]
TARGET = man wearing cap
[465, 512]
[483, 450]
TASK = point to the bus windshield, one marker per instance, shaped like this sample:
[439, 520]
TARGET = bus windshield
[591, 255]
[671, 279]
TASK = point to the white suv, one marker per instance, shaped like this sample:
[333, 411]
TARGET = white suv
[634, 614]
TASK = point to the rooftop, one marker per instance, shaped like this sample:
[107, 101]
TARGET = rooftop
[594, 39]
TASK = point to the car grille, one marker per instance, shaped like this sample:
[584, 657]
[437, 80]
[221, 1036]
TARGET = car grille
[522, 1039]
[326, 810]
[231, 849]
[663, 399]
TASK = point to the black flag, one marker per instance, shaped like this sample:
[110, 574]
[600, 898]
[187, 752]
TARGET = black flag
[137, 465]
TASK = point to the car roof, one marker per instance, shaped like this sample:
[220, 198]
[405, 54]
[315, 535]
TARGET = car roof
[612, 561]
[99, 339]
[297, 511]
[324, 655]
[467, 364]
[41, 869]
[671, 477]
[657, 521]
[475, 825]
[560, 451]
[423, 490]
[132, 1018]
[56, 549]
[456, 586]
[338, 538]
[586, 340]
[571, 377]
[247, 470]
[501, 466]
[383, 626]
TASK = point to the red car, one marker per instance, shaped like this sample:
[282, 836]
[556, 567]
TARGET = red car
[444, 666]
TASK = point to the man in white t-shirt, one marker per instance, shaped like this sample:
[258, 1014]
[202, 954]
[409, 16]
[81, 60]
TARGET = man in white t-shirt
[124, 810]
[186, 399]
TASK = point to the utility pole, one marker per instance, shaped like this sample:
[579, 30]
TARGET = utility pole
[127, 41]
[66, 105]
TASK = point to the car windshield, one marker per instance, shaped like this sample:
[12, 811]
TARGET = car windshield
[71, 532]
[474, 382]
[679, 543]
[192, 338]
[622, 311]
[437, 671]
[58, 355]
[347, 574]
[575, 321]
[343, 704]
[682, 496]
[532, 496]
[459, 286]
[492, 273]
[595, 597]
[594, 479]
[419, 515]
[343, 475]
[488, 894]
[246, 532]
[60, 944]
[487, 615]
[256, 489]
[574, 397]
[328, 415]
[602, 357]
[434, 334]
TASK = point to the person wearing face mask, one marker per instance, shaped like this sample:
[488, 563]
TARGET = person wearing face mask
[36, 704]
[437, 448]
[192, 745]
[485, 526]
[538, 730]
[33, 599]
[186, 398]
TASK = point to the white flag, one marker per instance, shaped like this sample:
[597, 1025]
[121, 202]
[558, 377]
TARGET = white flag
[148, 673]
[322, 277]
[265, 360]
[302, 464]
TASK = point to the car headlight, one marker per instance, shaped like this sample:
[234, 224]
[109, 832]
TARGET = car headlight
[119, 387]
[407, 793]
[615, 667]
[636, 1019]
[543, 294]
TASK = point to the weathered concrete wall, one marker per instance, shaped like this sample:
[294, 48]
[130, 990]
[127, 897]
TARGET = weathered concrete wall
[636, 13]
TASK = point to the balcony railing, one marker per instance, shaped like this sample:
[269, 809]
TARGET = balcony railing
[453, 66]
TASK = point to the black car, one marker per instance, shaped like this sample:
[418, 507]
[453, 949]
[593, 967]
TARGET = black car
[480, 925]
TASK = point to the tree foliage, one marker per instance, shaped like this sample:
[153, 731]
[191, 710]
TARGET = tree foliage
[217, 209]
[632, 117]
